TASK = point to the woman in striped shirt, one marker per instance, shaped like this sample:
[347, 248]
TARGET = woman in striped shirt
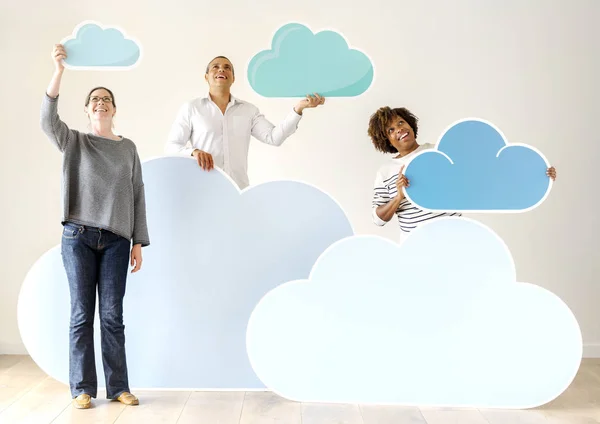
[395, 131]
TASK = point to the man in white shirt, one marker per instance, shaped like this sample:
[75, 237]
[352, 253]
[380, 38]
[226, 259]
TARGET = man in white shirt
[219, 125]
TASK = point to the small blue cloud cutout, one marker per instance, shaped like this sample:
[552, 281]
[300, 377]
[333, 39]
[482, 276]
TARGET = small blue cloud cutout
[93, 47]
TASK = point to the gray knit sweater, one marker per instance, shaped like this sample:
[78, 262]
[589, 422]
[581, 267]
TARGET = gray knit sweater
[102, 178]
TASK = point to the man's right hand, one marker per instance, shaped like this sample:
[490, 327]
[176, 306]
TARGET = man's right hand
[204, 159]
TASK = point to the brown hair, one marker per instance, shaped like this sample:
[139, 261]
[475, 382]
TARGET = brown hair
[87, 99]
[381, 119]
[220, 57]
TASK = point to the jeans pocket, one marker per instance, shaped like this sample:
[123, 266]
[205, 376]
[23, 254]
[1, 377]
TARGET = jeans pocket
[70, 231]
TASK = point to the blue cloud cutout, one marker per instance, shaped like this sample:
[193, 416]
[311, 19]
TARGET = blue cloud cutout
[93, 46]
[439, 320]
[215, 252]
[301, 63]
[474, 169]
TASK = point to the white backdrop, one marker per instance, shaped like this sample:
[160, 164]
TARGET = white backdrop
[529, 67]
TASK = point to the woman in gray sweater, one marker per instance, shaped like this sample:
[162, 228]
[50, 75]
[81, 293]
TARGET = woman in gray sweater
[104, 230]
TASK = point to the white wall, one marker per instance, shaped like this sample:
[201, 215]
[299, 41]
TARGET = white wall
[529, 66]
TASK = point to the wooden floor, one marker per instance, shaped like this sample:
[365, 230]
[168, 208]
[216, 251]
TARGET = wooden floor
[27, 395]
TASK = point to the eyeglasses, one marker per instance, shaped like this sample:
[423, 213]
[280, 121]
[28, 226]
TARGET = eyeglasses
[96, 99]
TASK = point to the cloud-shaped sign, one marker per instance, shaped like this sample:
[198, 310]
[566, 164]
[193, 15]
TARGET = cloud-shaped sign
[214, 253]
[94, 46]
[301, 63]
[438, 321]
[474, 169]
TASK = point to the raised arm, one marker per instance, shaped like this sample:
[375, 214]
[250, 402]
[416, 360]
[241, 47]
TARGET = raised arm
[56, 130]
[263, 130]
[58, 54]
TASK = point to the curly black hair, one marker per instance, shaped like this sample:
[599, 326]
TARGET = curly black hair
[380, 120]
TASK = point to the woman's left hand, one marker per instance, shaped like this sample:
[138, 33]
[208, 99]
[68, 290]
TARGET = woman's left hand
[136, 257]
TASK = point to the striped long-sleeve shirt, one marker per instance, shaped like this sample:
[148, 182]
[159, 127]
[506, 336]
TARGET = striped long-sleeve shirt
[409, 216]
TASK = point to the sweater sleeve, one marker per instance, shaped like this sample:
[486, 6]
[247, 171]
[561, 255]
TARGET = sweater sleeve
[55, 129]
[140, 225]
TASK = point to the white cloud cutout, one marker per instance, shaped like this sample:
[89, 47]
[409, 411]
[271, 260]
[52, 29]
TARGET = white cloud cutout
[439, 320]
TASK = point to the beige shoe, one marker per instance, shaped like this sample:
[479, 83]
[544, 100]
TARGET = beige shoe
[128, 399]
[83, 401]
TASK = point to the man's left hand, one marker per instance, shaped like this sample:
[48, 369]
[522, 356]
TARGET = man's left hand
[551, 172]
[309, 101]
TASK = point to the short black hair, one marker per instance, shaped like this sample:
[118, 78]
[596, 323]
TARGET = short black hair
[220, 57]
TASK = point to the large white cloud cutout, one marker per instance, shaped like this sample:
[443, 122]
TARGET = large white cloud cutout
[215, 251]
[437, 321]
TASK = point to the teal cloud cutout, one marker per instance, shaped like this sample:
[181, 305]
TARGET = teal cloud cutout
[301, 62]
[93, 46]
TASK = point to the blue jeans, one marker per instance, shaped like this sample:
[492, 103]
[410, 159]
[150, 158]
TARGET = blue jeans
[96, 258]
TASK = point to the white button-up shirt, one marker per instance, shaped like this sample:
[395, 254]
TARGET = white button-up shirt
[226, 136]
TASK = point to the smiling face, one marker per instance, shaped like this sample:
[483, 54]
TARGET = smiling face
[394, 130]
[400, 134]
[219, 73]
[100, 105]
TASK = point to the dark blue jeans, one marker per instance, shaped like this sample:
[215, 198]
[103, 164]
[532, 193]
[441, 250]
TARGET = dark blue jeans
[96, 259]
